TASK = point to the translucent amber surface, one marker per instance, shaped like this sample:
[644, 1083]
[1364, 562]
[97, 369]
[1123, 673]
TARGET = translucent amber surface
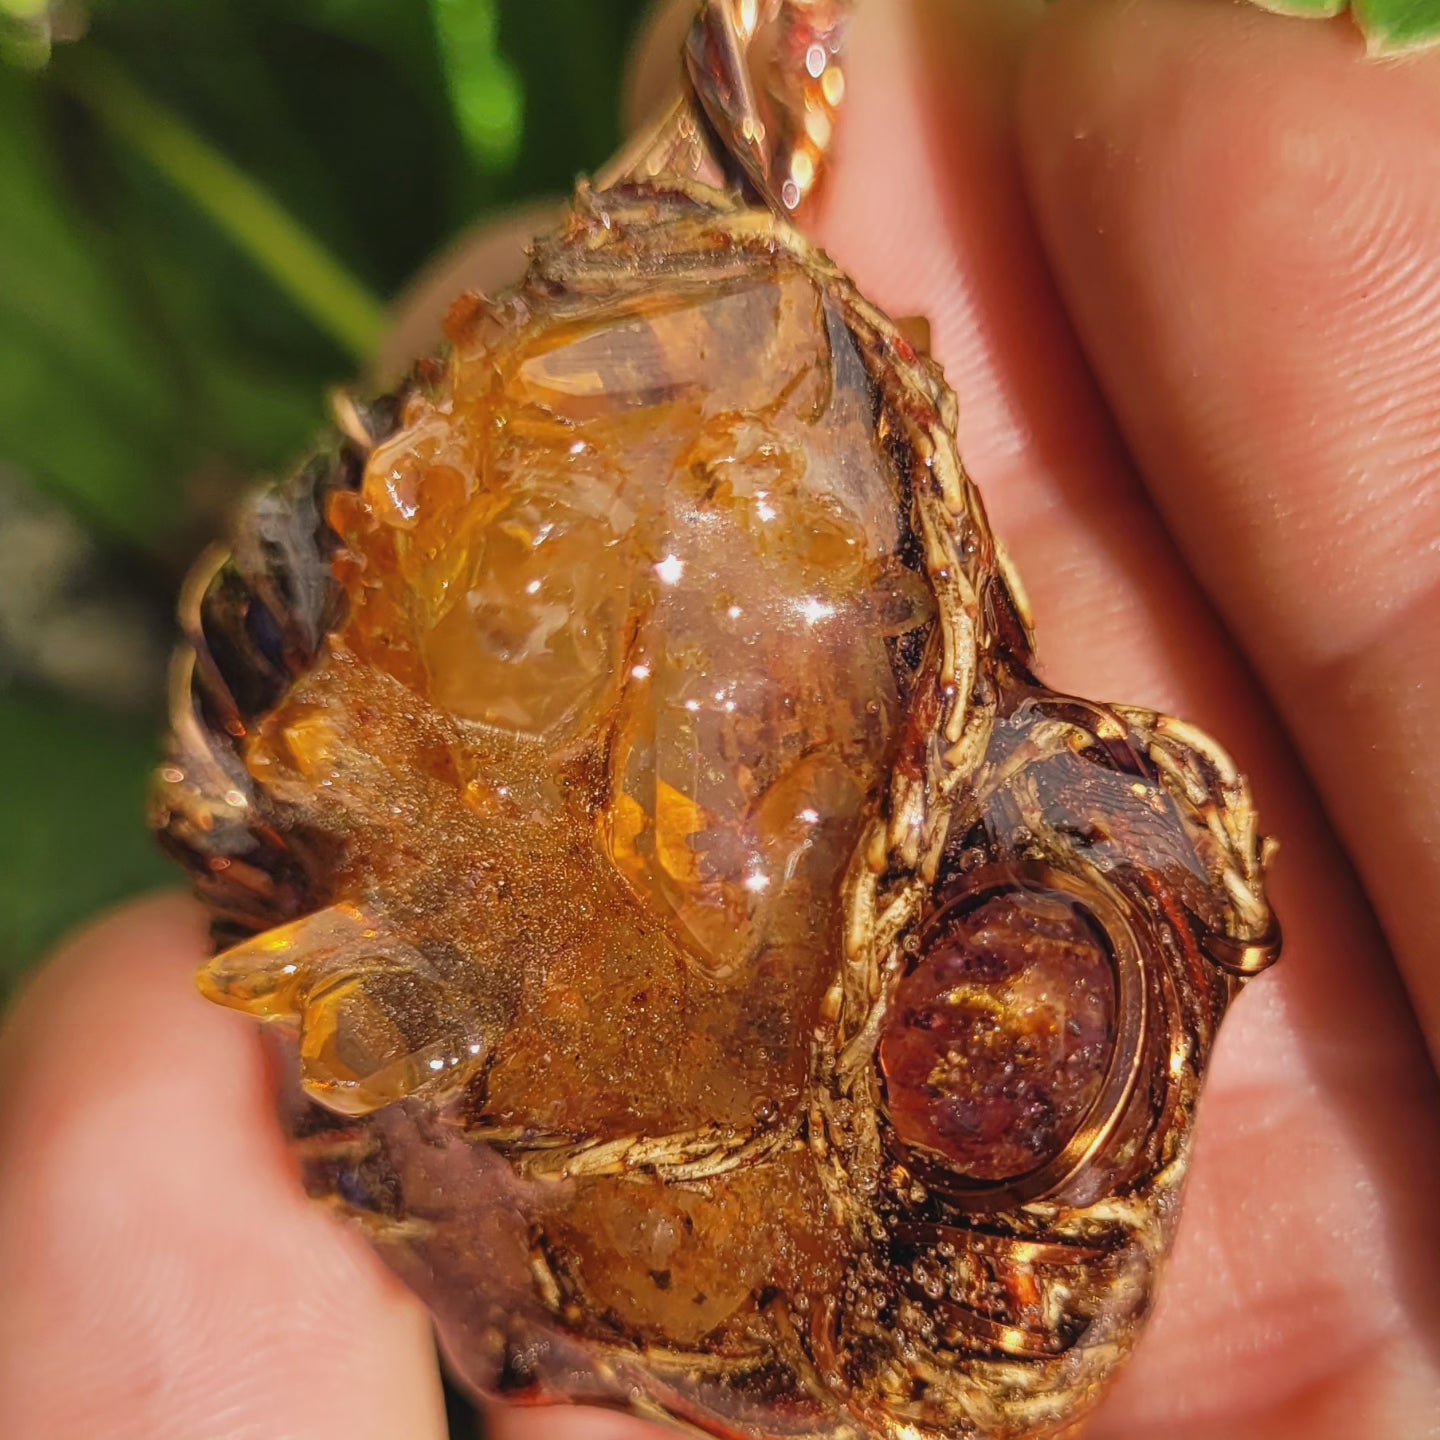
[724, 982]
[620, 598]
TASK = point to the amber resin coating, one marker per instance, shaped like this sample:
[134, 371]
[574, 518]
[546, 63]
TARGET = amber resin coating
[721, 977]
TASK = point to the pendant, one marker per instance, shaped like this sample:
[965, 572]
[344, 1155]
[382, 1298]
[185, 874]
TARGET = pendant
[722, 979]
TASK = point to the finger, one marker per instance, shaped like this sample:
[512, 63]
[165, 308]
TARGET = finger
[487, 257]
[1302, 1293]
[1246, 216]
[652, 78]
[164, 1277]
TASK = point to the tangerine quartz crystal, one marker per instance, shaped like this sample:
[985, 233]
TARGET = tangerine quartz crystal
[721, 978]
[620, 596]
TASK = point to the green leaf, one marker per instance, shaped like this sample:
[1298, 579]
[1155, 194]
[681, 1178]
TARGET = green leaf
[1395, 25]
[72, 833]
[1389, 26]
[25, 33]
[314, 280]
[485, 91]
[84, 407]
[1317, 9]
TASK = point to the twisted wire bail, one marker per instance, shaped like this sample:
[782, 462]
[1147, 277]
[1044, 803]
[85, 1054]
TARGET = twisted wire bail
[763, 82]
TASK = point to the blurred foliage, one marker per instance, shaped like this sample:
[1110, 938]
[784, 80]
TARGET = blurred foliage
[203, 210]
[484, 91]
[75, 786]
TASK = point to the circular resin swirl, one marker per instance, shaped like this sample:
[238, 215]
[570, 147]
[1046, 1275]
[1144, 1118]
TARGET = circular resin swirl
[997, 1043]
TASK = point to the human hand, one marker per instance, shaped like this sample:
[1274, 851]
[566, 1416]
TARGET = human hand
[1243, 219]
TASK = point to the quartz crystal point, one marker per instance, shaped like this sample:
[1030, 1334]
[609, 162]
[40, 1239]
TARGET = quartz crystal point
[722, 979]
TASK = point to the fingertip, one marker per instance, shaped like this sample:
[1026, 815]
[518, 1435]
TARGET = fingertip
[115, 960]
[163, 1273]
[1117, 98]
[1244, 216]
[163, 922]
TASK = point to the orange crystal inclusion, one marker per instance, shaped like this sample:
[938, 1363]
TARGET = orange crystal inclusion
[611, 700]
[999, 1039]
